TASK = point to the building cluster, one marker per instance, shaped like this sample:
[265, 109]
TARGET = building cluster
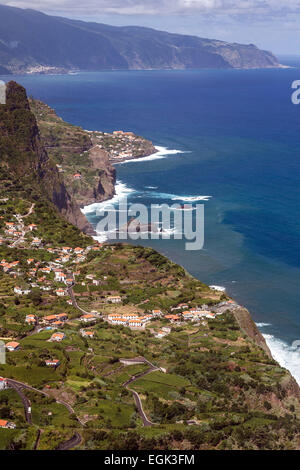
[121, 145]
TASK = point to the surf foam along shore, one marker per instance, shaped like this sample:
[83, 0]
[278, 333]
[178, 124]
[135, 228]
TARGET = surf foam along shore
[286, 355]
[177, 197]
[121, 191]
[162, 152]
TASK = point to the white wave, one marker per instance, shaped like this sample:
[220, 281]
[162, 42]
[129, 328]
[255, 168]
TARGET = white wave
[151, 187]
[121, 191]
[184, 208]
[218, 288]
[176, 197]
[191, 198]
[171, 231]
[287, 356]
[262, 325]
[162, 152]
[101, 238]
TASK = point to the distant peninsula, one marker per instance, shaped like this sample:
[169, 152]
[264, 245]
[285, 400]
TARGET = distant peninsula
[67, 45]
[85, 159]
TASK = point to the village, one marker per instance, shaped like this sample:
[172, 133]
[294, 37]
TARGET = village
[122, 145]
[61, 276]
[54, 277]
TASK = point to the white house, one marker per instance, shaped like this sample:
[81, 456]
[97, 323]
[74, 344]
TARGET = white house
[3, 383]
[66, 249]
[115, 299]
[88, 318]
[135, 323]
[57, 337]
[161, 334]
[195, 310]
[36, 242]
[60, 292]
[156, 313]
[31, 319]
[7, 424]
[87, 334]
[52, 362]
[18, 290]
[119, 321]
[188, 315]
[130, 316]
[12, 346]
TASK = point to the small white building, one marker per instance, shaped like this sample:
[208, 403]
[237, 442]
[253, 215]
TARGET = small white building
[119, 321]
[59, 276]
[60, 292]
[130, 316]
[12, 346]
[156, 313]
[114, 299]
[57, 337]
[3, 383]
[30, 319]
[36, 242]
[21, 291]
[7, 424]
[87, 334]
[88, 318]
[135, 323]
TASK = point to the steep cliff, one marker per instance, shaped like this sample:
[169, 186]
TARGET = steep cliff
[74, 151]
[247, 325]
[23, 155]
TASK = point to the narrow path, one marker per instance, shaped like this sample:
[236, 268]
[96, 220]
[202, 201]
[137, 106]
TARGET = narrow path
[74, 441]
[19, 385]
[26, 403]
[138, 402]
[74, 302]
[20, 221]
[37, 442]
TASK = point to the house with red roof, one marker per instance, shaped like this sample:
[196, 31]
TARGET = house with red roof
[12, 346]
[7, 424]
[52, 362]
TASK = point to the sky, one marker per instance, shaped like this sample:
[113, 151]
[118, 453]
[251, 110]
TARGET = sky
[270, 24]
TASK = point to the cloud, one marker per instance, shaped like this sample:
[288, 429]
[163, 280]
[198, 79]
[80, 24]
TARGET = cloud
[250, 8]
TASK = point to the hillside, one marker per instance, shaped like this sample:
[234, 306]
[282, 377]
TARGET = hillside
[25, 160]
[85, 158]
[35, 42]
[114, 346]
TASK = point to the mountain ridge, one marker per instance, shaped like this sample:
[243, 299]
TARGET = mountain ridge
[31, 41]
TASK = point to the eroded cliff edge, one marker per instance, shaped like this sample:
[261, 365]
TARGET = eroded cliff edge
[85, 159]
[24, 156]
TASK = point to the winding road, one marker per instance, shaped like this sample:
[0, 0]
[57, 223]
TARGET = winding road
[18, 386]
[73, 442]
[73, 299]
[138, 402]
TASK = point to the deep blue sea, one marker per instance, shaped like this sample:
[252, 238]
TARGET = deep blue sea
[239, 135]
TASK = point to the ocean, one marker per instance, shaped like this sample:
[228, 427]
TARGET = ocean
[232, 135]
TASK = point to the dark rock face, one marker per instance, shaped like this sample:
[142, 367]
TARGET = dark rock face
[29, 38]
[23, 155]
[246, 324]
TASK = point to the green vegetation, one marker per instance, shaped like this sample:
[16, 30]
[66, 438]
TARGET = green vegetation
[213, 386]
